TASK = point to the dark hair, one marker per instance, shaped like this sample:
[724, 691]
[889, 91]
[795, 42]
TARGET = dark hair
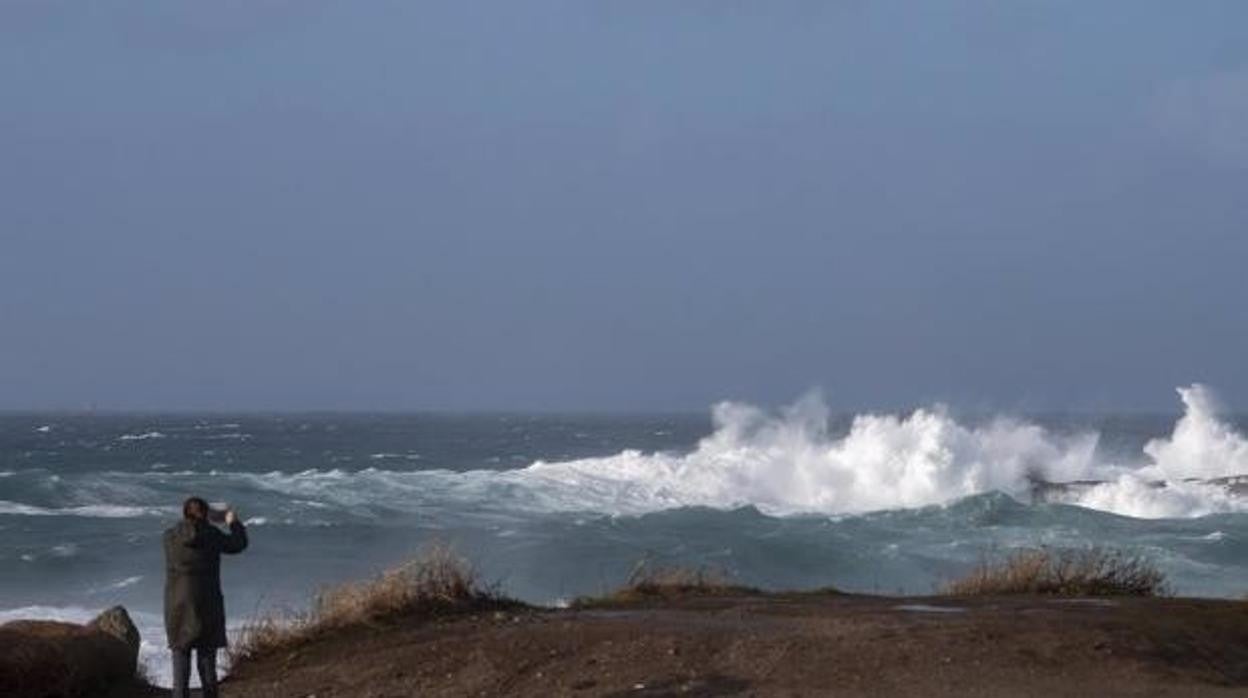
[195, 508]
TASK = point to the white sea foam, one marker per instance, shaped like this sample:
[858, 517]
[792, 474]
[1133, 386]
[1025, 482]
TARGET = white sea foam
[97, 511]
[1212, 537]
[127, 582]
[395, 456]
[1132, 495]
[64, 614]
[141, 437]
[231, 436]
[116, 586]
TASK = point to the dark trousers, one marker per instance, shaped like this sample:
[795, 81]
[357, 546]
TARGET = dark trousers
[205, 661]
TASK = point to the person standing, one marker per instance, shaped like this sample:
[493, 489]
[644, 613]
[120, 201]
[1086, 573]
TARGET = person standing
[194, 605]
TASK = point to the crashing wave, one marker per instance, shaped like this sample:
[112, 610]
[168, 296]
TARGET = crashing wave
[789, 463]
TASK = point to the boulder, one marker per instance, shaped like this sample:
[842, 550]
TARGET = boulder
[49, 659]
[116, 622]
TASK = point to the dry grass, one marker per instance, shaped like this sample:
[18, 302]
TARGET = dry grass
[648, 581]
[438, 583]
[1064, 572]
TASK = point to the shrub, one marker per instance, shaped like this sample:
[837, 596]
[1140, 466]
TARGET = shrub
[1064, 572]
[437, 583]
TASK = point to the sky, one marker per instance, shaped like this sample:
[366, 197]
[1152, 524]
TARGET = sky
[621, 206]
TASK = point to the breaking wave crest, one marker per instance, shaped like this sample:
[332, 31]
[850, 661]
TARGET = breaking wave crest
[789, 463]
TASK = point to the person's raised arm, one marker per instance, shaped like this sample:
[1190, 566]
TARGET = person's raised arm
[236, 541]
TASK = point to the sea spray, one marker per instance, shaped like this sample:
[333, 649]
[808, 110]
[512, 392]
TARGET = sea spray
[1201, 445]
[789, 464]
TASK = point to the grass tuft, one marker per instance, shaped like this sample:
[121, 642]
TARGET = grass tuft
[1064, 572]
[651, 582]
[438, 583]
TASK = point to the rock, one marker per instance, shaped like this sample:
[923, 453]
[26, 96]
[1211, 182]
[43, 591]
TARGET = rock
[49, 659]
[116, 622]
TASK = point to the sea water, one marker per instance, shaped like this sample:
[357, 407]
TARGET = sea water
[550, 507]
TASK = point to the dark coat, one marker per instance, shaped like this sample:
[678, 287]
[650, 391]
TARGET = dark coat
[194, 607]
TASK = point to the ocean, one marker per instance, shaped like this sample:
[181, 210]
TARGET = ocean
[550, 507]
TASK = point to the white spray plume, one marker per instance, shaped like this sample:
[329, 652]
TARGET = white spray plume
[1201, 446]
[788, 463]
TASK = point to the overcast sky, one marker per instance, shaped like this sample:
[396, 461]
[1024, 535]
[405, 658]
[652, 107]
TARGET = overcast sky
[303, 204]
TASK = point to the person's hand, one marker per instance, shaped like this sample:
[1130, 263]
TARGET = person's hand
[230, 517]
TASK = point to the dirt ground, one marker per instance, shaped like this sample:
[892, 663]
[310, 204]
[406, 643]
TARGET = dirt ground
[784, 645]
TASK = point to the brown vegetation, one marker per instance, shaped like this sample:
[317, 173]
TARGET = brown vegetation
[650, 581]
[438, 583]
[1064, 572]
